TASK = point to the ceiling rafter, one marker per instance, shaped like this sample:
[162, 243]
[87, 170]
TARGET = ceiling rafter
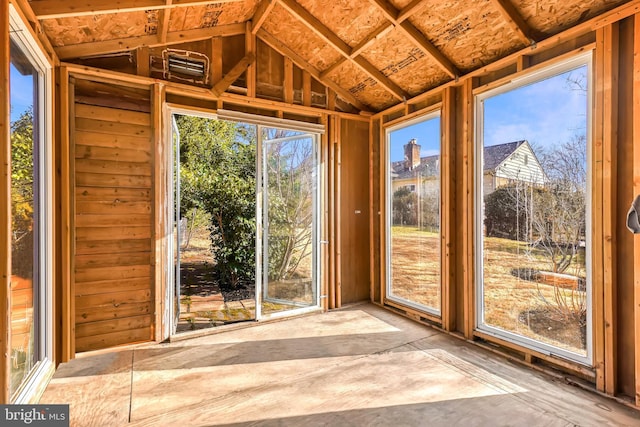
[49, 9]
[233, 74]
[125, 44]
[264, 9]
[164, 17]
[516, 21]
[400, 16]
[285, 51]
[342, 47]
[419, 39]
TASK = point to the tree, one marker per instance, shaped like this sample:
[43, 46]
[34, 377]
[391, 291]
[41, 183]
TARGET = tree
[217, 175]
[405, 203]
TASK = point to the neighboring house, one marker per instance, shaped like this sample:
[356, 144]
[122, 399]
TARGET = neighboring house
[503, 164]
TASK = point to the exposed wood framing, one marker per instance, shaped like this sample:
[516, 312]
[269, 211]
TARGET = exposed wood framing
[260, 15]
[343, 48]
[288, 80]
[285, 51]
[233, 74]
[609, 200]
[5, 210]
[252, 69]
[392, 14]
[130, 43]
[516, 21]
[336, 129]
[164, 17]
[467, 227]
[636, 192]
[325, 213]
[159, 256]
[26, 14]
[371, 216]
[49, 9]
[67, 332]
[447, 211]
[142, 61]
[382, 217]
[215, 69]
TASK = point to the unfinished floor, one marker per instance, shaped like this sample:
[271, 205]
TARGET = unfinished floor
[358, 366]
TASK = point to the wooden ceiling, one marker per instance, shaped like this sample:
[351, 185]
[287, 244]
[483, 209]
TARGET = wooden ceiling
[372, 53]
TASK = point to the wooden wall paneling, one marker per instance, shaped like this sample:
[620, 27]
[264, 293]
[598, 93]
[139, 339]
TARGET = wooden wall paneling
[354, 212]
[597, 293]
[609, 148]
[117, 224]
[158, 168]
[447, 209]
[636, 192]
[306, 88]
[5, 211]
[468, 210]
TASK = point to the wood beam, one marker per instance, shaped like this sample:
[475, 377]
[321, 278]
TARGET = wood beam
[5, 210]
[288, 80]
[264, 9]
[215, 70]
[636, 191]
[233, 74]
[164, 17]
[411, 9]
[516, 21]
[120, 45]
[341, 46]
[416, 37]
[50, 9]
[284, 50]
[252, 70]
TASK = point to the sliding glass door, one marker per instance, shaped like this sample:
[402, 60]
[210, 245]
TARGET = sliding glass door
[289, 220]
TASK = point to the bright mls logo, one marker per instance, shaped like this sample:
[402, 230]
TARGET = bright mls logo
[34, 415]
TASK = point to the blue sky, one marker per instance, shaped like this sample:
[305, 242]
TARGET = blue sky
[21, 93]
[546, 113]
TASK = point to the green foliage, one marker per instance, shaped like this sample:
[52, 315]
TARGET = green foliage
[22, 194]
[217, 175]
[506, 212]
[405, 204]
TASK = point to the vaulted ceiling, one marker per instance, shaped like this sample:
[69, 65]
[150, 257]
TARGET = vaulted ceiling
[371, 53]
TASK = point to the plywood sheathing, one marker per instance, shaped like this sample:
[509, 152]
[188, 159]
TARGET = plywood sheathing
[408, 66]
[212, 15]
[363, 87]
[351, 20]
[472, 34]
[553, 17]
[289, 30]
[86, 29]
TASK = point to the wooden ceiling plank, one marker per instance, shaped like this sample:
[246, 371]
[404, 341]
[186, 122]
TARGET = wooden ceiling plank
[262, 12]
[50, 9]
[233, 74]
[341, 46]
[419, 39]
[516, 21]
[164, 16]
[284, 50]
[120, 45]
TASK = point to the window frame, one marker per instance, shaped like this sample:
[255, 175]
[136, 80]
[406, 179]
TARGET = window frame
[528, 78]
[22, 37]
[429, 115]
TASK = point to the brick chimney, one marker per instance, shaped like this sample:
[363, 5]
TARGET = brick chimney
[411, 154]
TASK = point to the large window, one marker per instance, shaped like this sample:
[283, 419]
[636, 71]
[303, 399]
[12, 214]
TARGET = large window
[30, 213]
[533, 229]
[413, 212]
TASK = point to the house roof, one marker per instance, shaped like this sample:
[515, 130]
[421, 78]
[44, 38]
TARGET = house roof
[372, 54]
[494, 155]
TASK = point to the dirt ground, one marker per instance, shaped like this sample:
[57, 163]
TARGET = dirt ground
[516, 305]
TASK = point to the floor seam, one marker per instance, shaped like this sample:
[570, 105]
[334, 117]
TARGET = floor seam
[131, 386]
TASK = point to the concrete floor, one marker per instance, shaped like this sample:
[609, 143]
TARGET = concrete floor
[360, 366]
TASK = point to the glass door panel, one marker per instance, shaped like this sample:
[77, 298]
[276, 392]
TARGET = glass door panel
[289, 221]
